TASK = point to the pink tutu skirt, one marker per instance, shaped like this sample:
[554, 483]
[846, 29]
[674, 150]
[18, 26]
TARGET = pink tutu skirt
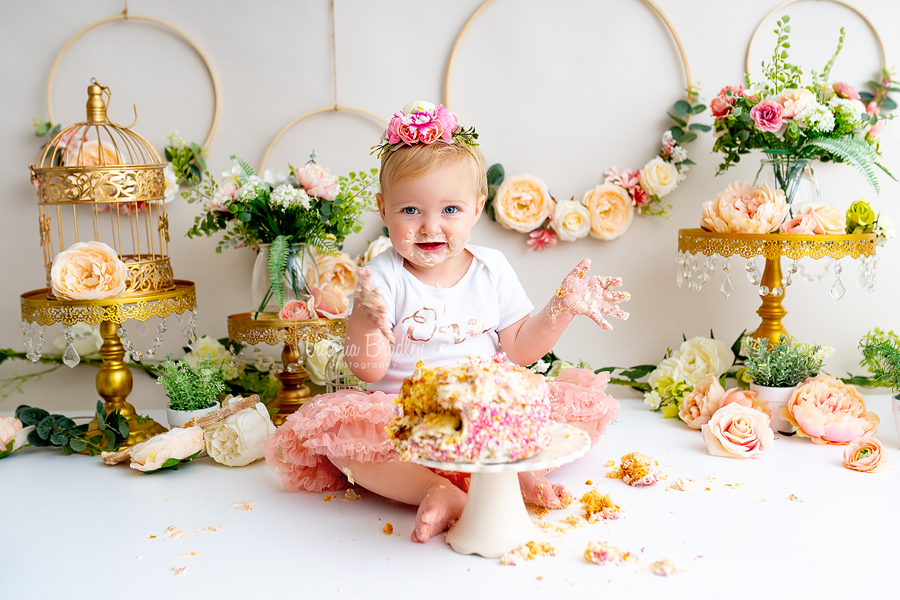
[351, 424]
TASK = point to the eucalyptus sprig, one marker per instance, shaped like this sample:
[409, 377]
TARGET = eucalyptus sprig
[61, 431]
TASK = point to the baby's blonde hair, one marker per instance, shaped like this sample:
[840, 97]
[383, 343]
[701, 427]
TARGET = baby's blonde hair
[408, 162]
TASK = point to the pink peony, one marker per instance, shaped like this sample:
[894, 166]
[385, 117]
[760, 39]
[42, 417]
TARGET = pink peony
[295, 310]
[541, 239]
[767, 115]
[743, 208]
[447, 120]
[748, 399]
[814, 218]
[842, 89]
[736, 431]
[721, 105]
[328, 302]
[867, 455]
[702, 403]
[317, 181]
[829, 411]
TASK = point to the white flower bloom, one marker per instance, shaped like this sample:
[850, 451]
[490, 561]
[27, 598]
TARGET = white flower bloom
[316, 363]
[701, 357]
[172, 186]
[540, 367]
[276, 177]
[251, 188]
[287, 196]
[418, 105]
[817, 118]
[207, 346]
[381, 244]
[240, 439]
[653, 400]
[847, 112]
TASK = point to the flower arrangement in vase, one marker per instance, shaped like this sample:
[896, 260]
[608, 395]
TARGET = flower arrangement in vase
[881, 356]
[794, 124]
[284, 216]
[193, 389]
[775, 370]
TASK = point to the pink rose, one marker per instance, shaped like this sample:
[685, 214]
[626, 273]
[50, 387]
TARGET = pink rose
[829, 412]
[867, 455]
[447, 120]
[767, 115]
[329, 303]
[430, 132]
[409, 134]
[842, 89]
[317, 181]
[799, 225]
[295, 310]
[815, 218]
[721, 105]
[87, 271]
[748, 399]
[702, 403]
[736, 431]
[12, 435]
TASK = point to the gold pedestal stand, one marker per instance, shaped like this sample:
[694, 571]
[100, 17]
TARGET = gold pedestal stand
[114, 381]
[773, 247]
[244, 329]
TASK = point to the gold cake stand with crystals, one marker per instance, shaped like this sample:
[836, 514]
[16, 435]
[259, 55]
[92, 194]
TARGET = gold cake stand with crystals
[692, 243]
[244, 329]
[114, 382]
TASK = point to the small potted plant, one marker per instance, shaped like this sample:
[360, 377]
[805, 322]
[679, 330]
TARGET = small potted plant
[193, 390]
[881, 355]
[776, 370]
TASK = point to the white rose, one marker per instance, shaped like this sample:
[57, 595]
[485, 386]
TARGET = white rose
[571, 220]
[315, 364]
[276, 177]
[87, 340]
[701, 357]
[178, 443]
[171, 183]
[239, 440]
[381, 244]
[659, 177]
[670, 368]
[418, 105]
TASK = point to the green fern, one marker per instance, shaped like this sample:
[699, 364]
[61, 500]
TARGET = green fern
[278, 257]
[853, 151]
[883, 168]
[246, 170]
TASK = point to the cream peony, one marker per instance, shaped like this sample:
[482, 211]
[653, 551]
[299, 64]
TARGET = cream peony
[522, 203]
[611, 210]
[795, 102]
[338, 271]
[87, 271]
[701, 357]
[379, 245]
[700, 405]
[315, 364]
[240, 439]
[12, 435]
[90, 154]
[659, 177]
[571, 221]
[829, 411]
[744, 208]
[178, 444]
[866, 455]
[736, 431]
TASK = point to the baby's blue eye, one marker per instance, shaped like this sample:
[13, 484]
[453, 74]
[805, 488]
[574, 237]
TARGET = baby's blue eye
[409, 210]
[451, 209]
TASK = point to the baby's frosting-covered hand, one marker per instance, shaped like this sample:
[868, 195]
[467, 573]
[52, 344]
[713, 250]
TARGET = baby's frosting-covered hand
[368, 300]
[590, 296]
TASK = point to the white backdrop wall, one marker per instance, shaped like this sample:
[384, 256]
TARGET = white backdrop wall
[562, 90]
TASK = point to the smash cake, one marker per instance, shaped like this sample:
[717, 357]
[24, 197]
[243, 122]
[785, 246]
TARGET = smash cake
[476, 411]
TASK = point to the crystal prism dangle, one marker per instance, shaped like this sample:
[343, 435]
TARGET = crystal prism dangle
[70, 357]
[726, 288]
[837, 290]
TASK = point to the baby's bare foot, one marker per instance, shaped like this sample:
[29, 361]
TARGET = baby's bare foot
[537, 489]
[443, 503]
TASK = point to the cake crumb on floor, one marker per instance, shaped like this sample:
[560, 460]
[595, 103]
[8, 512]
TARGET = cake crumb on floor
[388, 529]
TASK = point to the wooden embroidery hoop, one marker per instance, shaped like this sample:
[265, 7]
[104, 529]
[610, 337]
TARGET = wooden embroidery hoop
[784, 5]
[124, 16]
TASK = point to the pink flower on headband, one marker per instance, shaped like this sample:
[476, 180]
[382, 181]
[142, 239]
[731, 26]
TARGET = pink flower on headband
[421, 122]
[447, 120]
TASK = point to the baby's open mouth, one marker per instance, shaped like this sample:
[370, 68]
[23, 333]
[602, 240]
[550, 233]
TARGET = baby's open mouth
[430, 245]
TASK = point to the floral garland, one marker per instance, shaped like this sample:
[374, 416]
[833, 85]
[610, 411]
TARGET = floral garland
[524, 204]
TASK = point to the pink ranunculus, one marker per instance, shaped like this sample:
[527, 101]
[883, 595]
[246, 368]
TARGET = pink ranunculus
[328, 302]
[828, 411]
[317, 181]
[541, 239]
[842, 89]
[447, 120]
[295, 310]
[430, 132]
[12, 432]
[393, 130]
[748, 399]
[767, 115]
[721, 105]
[736, 431]
[702, 403]
[867, 455]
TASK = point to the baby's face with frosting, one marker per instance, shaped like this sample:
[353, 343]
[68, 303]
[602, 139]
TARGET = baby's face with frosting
[430, 218]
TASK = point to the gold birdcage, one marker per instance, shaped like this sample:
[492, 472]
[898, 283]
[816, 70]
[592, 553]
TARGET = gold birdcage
[99, 181]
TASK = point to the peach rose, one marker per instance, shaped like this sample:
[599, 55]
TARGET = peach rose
[867, 455]
[736, 431]
[744, 208]
[329, 303]
[295, 310]
[522, 203]
[748, 399]
[12, 435]
[702, 402]
[795, 102]
[571, 221]
[178, 444]
[815, 218]
[829, 411]
[338, 271]
[91, 153]
[659, 177]
[611, 210]
[87, 271]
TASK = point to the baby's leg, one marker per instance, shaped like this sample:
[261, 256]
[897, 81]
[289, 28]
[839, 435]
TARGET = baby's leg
[537, 489]
[439, 501]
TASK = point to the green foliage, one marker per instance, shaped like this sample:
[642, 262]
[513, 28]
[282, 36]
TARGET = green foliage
[881, 356]
[188, 387]
[174, 463]
[187, 160]
[278, 257]
[61, 431]
[786, 364]
[780, 73]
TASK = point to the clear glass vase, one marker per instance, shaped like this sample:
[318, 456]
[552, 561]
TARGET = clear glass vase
[794, 176]
[297, 276]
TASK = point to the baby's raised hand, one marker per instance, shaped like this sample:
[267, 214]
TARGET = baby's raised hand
[591, 296]
[368, 300]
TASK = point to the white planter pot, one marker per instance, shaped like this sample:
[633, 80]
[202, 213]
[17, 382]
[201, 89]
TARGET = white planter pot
[777, 397]
[177, 418]
[895, 406]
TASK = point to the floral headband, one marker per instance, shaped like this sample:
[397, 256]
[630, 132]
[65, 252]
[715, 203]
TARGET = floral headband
[421, 123]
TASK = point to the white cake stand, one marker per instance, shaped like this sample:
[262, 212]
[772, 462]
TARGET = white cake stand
[495, 519]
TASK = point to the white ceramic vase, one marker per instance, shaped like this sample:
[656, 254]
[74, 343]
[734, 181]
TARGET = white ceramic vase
[777, 397]
[177, 418]
[895, 406]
